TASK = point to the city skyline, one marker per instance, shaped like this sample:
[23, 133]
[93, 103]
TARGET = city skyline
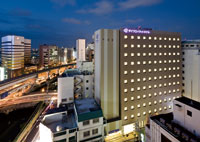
[61, 22]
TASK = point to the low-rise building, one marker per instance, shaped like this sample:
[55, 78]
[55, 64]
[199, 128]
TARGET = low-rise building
[180, 126]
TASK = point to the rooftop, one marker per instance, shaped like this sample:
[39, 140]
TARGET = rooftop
[87, 109]
[63, 120]
[189, 102]
[166, 122]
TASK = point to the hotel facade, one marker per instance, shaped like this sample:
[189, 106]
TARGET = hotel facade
[138, 72]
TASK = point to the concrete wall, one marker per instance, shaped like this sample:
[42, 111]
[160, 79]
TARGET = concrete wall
[65, 90]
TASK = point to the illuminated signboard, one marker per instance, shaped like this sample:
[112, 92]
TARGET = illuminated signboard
[136, 31]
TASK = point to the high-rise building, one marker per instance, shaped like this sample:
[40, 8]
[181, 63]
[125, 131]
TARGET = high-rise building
[138, 72]
[48, 55]
[80, 47]
[27, 51]
[13, 52]
[191, 69]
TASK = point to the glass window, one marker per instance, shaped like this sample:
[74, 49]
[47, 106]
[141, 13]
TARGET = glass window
[86, 122]
[95, 131]
[96, 120]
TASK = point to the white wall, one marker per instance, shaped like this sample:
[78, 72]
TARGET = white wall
[85, 66]
[45, 134]
[80, 46]
[65, 89]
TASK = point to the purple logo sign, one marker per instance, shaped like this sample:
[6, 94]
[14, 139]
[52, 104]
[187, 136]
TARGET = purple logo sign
[136, 31]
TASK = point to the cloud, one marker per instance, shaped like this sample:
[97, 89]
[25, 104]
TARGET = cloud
[75, 21]
[102, 7]
[20, 12]
[62, 3]
[133, 21]
[128, 4]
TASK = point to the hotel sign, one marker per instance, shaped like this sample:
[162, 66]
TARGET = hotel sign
[135, 31]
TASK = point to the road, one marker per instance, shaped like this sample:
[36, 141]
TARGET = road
[27, 99]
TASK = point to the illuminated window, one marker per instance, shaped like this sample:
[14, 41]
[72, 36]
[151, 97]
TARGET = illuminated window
[174, 61]
[125, 63]
[165, 100]
[160, 38]
[144, 54]
[132, 54]
[125, 72]
[125, 36]
[170, 46]
[138, 79]
[174, 76]
[149, 78]
[174, 46]
[138, 54]
[125, 117]
[169, 61]
[138, 105]
[125, 108]
[178, 53]
[149, 38]
[160, 109]
[138, 37]
[160, 77]
[170, 76]
[125, 99]
[165, 84]
[132, 71]
[174, 53]
[169, 54]
[150, 46]
[132, 37]
[165, 61]
[155, 46]
[144, 70]
[160, 69]
[132, 80]
[155, 54]
[138, 97]
[149, 103]
[149, 54]
[132, 98]
[178, 39]
[165, 38]
[177, 61]
[165, 92]
[144, 96]
[125, 90]
[165, 108]
[155, 78]
[174, 39]
[170, 69]
[144, 79]
[132, 107]
[177, 82]
[170, 107]
[160, 93]
[178, 75]
[169, 91]
[132, 89]
[138, 62]
[170, 39]
[150, 95]
[125, 45]
[138, 114]
[149, 86]
[174, 90]
[177, 90]
[144, 87]
[144, 104]
[149, 111]
[132, 116]
[144, 46]
[144, 37]
[125, 54]
[165, 46]
[132, 63]
[144, 113]
[155, 110]
[155, 70]
[155, 38]
[149, 62]
[160, 85]
[138, 45]
[132, 45]
[160, 101]
[125, 81]
[160, 46]
[178, 46]
[138, 88]
[155, 62]
[170, 99]
[160, 54]
[155, 94]
[165, 54]
[165, 77]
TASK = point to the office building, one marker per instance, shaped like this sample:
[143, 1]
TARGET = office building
[191, 69]
[27, 51]
[15, 52]
[80, 47]
[179, 126]
[138, 72]
[90, 52]
[48, 55]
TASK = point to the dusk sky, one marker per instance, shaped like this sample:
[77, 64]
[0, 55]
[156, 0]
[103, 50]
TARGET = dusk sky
[61, 22]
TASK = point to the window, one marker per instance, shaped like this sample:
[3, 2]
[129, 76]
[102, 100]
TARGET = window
[132, 107]
[95, 131]
[125, 54]
[132, 37]
[125, 72]
[132, 116]
[96, 120]
[138, 37]
[87, 122]
[125, 81]
[125, 45]
[125, 108]
[125, 99]
[71, 139]
[125, 63]
[86, 134]
[59, 134]
[125, 117]
[87, 88]
[132, 45]
[125, 36]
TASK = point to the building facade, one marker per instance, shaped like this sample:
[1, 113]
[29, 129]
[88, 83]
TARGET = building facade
[179, 126]
[141, 68]
[48, 55]
[191, 69]
[27, 51]
[80, 47]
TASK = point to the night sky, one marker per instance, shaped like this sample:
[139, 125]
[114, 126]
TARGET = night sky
[61, 22]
